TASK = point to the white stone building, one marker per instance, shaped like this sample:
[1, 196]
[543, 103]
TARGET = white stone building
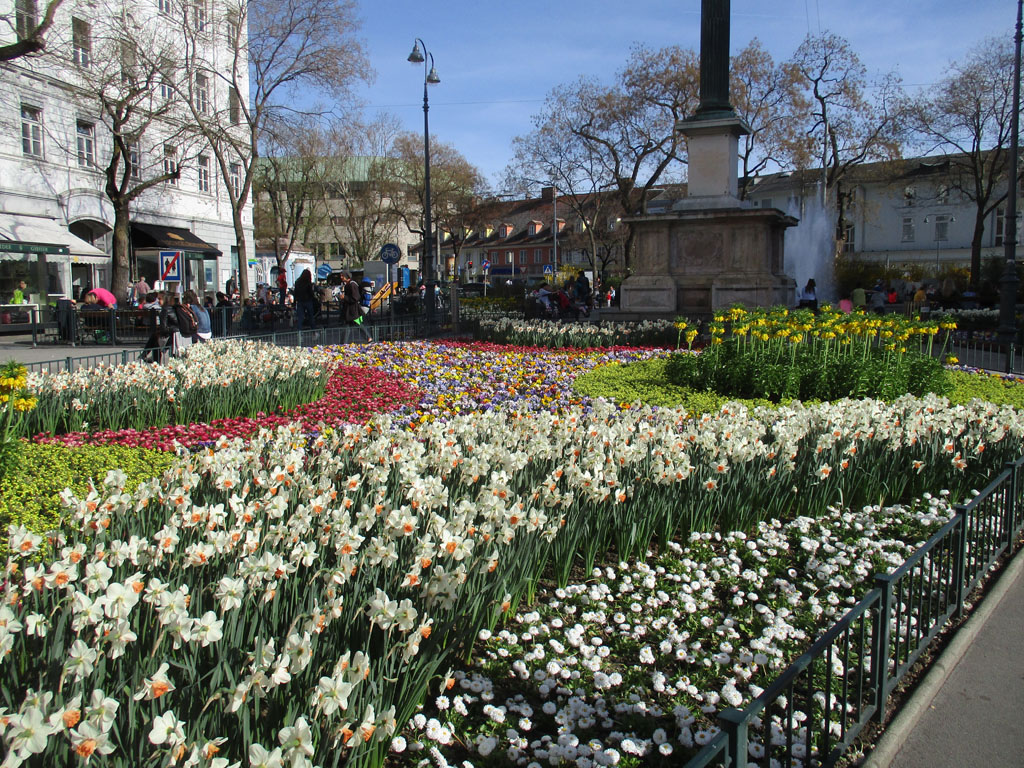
[55, 218]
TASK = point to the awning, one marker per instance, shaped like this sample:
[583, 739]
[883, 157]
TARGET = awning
[159, 237]
[21, 234]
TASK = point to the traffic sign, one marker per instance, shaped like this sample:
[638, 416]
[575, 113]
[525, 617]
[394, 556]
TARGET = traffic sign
[487, 264]
[170, 266]
[548, 269]
[324, 271]
[390, 254]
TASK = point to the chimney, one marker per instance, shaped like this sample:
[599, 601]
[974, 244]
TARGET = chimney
[547, 194]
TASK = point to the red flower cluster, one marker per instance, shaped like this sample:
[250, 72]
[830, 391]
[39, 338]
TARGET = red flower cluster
[352, 395]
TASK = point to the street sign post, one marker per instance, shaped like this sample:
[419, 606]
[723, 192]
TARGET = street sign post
[170, 266]
[548, 269]
[390, 254]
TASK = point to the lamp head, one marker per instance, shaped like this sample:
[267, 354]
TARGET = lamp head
[432, 77]
[416, 57]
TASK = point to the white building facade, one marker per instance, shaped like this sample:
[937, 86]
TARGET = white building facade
[56, 219]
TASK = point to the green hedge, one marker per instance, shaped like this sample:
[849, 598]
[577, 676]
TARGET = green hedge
[30, 490]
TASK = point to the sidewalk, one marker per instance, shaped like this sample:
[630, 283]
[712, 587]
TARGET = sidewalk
[20, 348]
[967, 712]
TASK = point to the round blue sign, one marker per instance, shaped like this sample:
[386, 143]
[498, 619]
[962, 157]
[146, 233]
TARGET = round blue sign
[390, 254]
[324, 271]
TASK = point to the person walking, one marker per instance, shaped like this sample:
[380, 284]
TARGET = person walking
[352, 304]
[282, 285]
[305, 301]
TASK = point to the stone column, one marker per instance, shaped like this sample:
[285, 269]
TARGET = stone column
[714, 60]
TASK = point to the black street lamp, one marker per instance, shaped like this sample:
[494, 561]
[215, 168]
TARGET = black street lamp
[420, 54]
[1008, 287]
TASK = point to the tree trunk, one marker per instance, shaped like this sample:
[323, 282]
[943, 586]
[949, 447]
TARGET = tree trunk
[242, 264]
[979, 230]
[122, 250]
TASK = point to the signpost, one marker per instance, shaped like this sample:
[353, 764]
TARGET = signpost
[390, 254]
[549, 269]
[170, 266]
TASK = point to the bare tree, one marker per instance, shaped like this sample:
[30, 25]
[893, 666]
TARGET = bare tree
[29, 28]
[290, 45]
[129, 95]
[618, 137]
[456, 187]
[287, 184]
[967, 116]
[359, 185]
[845, 126]
[766, 95]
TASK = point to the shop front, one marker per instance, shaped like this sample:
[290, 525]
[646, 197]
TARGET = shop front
[50, 260]
[194, 267]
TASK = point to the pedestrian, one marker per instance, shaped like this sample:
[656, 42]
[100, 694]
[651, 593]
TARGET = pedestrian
[352, 302]
[142, 290]
[305, 301]
[153, 305]
[809, 296]
[859, 298]
[203, 330]
[282, 284]
[103, 297]
[20, 293]
[178, 324]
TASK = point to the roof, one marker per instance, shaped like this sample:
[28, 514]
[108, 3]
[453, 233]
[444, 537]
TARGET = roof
[159, 236]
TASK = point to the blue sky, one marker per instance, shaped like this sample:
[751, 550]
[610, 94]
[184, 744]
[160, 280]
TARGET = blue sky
[498, 60]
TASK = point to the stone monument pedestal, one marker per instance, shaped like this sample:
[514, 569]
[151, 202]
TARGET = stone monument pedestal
[694, 261]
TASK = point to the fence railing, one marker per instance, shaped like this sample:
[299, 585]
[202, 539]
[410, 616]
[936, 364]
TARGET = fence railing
[814, 710]
[402, 328]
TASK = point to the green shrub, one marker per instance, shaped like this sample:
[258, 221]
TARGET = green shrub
[30, 491]
[647, 381]
[991, 387]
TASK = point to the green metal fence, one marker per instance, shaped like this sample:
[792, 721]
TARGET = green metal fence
[845, 679]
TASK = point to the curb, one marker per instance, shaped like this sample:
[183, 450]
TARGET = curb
[895, 735]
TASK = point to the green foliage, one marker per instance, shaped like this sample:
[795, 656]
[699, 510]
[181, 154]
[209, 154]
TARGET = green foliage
[647, 381]
[990, 387]
[30, 491]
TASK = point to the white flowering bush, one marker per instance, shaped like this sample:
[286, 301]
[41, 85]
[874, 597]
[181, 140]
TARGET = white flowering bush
[220, 379]
[637, 660]
[549, 333]
[289, 600]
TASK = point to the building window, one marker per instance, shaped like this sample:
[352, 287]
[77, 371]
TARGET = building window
[204, 173]
[26, 18]
[171, 164]
[849, 238]
[235, 178]
[522, 256]
[86, 135]
[81, 42]
[908, 229]
[31, 131]
[135, 160]
[941, 227]
[942, 196]
[199, 15]
[164, 6]
[166, 79]
[234, 106]
[1000, 225]
[202, 94]
[509, 258]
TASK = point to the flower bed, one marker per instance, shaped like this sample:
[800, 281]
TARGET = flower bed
[352, 395]
[217, 381]
[455, 377]
[292, 598]
[548, 333]
[637, 660]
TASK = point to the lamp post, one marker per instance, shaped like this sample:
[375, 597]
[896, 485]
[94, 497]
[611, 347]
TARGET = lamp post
[1008, 284]
[420, 54]
[947, 220]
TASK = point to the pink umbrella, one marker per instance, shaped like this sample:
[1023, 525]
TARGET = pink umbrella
[104, 297]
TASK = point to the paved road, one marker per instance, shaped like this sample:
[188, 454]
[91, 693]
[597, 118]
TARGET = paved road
[976, 719]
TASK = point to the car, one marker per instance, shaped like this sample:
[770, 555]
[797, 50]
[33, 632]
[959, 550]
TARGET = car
[472, 289]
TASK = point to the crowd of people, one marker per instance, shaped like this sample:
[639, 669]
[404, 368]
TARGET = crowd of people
[572, 299]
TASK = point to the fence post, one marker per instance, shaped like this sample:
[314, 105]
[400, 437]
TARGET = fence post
[34, 313]
[960, 562]
[124, 357]
[1010, 353]
[880, 631]
[69, 363]
[1011, 503]
[113, 325]
[734, 723]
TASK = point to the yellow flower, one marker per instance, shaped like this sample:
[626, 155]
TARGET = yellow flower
[952, 360]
